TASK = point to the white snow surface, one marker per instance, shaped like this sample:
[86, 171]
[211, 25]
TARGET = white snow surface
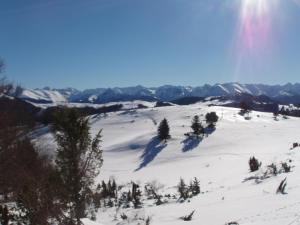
[220, 161]
[46, 95]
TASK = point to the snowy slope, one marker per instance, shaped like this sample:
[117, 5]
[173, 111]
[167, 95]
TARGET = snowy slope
[220, 161]
[43, 96]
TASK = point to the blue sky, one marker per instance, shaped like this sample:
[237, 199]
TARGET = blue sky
[106, 43]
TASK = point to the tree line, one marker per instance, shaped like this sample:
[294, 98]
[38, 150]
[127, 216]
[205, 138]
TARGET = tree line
[163, 131]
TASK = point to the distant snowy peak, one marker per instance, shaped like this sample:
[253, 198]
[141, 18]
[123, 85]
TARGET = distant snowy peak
[43, 96]
[168, 92]
[163, 93]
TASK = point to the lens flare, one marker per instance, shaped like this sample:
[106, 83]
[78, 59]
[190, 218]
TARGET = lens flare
[255, 26]
[254, 35]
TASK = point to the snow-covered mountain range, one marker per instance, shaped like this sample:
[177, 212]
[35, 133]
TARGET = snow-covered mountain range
[288, 93]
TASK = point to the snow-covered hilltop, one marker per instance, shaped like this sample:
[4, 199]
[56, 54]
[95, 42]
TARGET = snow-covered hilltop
[289, 93]
[229, 191]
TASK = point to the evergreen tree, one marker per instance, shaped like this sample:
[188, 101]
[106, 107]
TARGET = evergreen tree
[164, 130]
[195, 187]
[109, 188]
[254, 164]
[136, 195]
[79, 159]
[182, 189]
[104, 189]
[114, 189]
[197, 126]
[211, 118]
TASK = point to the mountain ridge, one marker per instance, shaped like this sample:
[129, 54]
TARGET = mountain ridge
[288, 93]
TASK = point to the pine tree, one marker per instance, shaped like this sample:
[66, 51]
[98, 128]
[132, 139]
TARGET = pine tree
[136, 195]
[182, 189]
[164, 130]
[197, 126]
[79, 159]
[114, 189]
[211, 119]
[109, 188]
[254, 164]
[195, 186]
[104, 190]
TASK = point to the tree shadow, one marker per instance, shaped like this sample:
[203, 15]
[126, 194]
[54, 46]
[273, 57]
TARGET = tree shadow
[190, 143]
[153, 148]
[209, 130]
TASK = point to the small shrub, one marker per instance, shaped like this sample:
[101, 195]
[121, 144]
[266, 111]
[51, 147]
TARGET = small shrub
[188, 217]
[254, 164]
[147, 222]
[245, 107]
[141, 106]
[281, 187]
[247, 117]
[124, 216]
[125, 199]
[93, 216]
[150, 191]
[295, 145]
[273, 169]
[110, 203]
[187, 134]
[286, 167]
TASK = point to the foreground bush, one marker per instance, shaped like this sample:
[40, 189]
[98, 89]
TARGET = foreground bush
[254, 164]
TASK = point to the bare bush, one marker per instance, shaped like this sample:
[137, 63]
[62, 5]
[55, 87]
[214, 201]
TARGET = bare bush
[188, 217]
[273, 169]
[281, 187]
[286, 167]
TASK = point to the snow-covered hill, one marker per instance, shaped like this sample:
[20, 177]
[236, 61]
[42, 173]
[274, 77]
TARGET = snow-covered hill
[219, 160]
[289, 93]
[43, 96]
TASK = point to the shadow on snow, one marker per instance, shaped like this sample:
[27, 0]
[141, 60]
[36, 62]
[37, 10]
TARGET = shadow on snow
[190, 143]
[153, 148]
[209, 130]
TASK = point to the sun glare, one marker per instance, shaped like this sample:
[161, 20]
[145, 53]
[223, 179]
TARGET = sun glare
[254, 34]
[255, 24]
[255, 7]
